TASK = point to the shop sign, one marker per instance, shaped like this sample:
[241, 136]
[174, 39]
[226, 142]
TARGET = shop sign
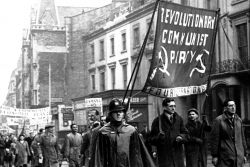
[65, 117]
[93, 102]
[137, 114]
[56, 100]
[135, 100]
[68, 116]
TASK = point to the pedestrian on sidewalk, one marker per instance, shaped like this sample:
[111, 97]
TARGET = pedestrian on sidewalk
[228, 145]
[196, 144]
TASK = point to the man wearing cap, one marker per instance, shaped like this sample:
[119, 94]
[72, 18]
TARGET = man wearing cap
[119, 144]
[168, 134]
[228, 144]
[48, 148]
[196, 145]
[73, 145]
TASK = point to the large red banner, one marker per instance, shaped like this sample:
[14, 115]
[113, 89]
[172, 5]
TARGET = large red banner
[182, 55]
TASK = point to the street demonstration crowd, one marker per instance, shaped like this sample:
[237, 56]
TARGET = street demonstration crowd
[111, 142]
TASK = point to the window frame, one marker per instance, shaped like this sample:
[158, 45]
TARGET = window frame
[102, 81]
[124, 41]
[113, 77]
[102, 50]
[92, 52]
[112, 46]
[136, 36]
[236, 22]
[125, 75]
[185, 2]
[93, 82]
[35, 96]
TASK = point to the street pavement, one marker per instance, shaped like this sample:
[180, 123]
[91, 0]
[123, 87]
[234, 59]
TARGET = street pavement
[209, 162]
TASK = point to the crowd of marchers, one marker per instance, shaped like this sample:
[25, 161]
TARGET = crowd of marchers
[17, 151]
[112, 142]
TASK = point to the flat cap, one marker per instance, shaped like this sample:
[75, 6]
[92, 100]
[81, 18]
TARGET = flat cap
[193, 110]
[49, 126]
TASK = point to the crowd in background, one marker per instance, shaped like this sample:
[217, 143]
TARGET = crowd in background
[111, 142]
[15, 151]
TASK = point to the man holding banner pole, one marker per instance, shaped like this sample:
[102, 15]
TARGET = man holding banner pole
[181, 66]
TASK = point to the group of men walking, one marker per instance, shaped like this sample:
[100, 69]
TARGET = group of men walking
[118, 144]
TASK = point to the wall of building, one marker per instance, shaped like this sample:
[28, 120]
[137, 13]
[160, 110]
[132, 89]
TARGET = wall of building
[48, 48]
[77, 61]
[71, 63]
[57, 63]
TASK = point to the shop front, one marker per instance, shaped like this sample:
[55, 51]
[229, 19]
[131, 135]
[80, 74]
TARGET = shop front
[137, 113]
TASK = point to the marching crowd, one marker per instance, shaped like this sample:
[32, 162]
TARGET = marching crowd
[112, 142]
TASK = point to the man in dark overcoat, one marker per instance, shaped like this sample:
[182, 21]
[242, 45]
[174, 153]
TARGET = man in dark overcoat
[228, 145]
[169, 137]
[35, 146]
[196, 144]
[118, 144]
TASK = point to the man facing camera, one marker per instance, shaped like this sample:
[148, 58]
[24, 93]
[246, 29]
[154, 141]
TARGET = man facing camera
[228, 145]
[169, 137]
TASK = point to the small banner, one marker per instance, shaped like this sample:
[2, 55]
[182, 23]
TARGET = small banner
[182, 55]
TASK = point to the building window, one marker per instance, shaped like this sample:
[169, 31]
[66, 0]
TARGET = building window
[35, 97]
[112, 78]
[208, 4]
[112, 45]
[93, 82]
[102, 50]
[136, 34]
[124, 72]
[151, 32]
[241, 30]
[124, 42]
[185, 2]
[102, 81]
[92, 52]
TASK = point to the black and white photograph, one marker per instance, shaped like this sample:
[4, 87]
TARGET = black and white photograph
[125, 83]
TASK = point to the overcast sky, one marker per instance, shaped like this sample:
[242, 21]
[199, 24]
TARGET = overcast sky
[14, 17]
